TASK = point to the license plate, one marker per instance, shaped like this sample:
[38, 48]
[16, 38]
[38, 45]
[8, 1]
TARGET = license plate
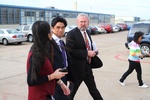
[20, 36]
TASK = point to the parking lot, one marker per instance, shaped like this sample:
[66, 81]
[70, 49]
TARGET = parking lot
[112, 52]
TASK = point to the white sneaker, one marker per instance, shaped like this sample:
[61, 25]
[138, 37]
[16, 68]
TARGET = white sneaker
[122, 83]
[144, 86]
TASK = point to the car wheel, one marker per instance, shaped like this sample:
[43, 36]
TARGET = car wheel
[5, 42]
[19, 42]
[99, 33]
[145, 48]
[30, 38]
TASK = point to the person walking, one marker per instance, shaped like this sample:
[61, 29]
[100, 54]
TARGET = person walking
[79, 43]
[41, 78]
[61, 58]
[134, 58]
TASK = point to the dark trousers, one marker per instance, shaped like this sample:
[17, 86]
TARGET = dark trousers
[59, 94]
[90, 83]
[133, 65]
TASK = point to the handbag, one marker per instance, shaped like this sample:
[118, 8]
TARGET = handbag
[96, 62]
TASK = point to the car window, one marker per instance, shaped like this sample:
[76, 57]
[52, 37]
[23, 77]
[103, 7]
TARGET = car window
[26, 28]
[19, 28]
[142, 28]
[12, 31]
[1, 32]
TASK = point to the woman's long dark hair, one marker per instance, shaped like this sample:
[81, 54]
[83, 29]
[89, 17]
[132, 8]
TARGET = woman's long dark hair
[40, 30]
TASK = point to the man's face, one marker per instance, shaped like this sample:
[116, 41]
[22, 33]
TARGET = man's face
[82, 23]
[58, 29]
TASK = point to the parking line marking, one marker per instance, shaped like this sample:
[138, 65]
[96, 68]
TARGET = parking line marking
[118, 56]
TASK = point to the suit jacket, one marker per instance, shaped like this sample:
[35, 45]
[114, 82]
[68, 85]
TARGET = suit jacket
[77, 49]
[58, 62]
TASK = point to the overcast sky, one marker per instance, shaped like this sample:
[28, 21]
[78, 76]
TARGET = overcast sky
[136, 8]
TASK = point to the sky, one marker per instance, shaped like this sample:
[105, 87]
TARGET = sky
[136, 8]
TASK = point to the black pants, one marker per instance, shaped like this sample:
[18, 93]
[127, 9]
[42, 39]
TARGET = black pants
[133, 65]
[90, 83]
[59, 94]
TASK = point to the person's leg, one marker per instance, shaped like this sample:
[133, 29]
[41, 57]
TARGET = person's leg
[90, 83]
[129, 71]
[139, 73]
[74, 87]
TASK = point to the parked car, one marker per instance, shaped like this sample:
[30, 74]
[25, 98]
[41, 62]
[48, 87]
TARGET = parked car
[101, 29]
[67, 29]
[30, 36]
[129, 26]
[121, 28]
[123, 25]
[115, 28]
[12, 36]
[108, 27]
[145, 43]
[92, 29]
[26, 29]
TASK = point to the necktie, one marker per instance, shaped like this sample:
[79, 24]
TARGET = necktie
[87, 46]
[86, 41]
[63, 52]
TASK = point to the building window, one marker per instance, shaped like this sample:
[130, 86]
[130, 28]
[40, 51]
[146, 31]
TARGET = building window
[101, 19]
[0, 16]
[93, 18]
[17, 16]
[41, 14]
[4, 15]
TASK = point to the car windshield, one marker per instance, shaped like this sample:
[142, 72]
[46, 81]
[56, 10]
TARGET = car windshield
[11, 31]
[142, 28]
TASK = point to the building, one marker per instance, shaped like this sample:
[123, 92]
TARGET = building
[20, 15]
[127, 19]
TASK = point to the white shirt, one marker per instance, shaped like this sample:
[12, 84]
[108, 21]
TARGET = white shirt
[56, 40]
[58, 43]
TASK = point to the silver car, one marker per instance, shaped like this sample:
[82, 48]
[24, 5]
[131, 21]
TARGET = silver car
[12, 36]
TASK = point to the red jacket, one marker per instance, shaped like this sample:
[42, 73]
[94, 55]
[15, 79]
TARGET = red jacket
[39, 92]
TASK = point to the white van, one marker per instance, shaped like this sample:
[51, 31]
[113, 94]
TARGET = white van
[27, 29]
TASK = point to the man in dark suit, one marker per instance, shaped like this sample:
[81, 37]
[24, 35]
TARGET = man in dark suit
[79, 43]
[59, 59]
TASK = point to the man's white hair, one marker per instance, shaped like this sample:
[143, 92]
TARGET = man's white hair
[83, 14]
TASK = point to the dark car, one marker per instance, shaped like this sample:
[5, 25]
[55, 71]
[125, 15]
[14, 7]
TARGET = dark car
[93, 30]
[145, 43]
[123, 25]
[129, 26]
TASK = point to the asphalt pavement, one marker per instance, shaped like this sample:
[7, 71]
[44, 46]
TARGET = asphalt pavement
[13, 85]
